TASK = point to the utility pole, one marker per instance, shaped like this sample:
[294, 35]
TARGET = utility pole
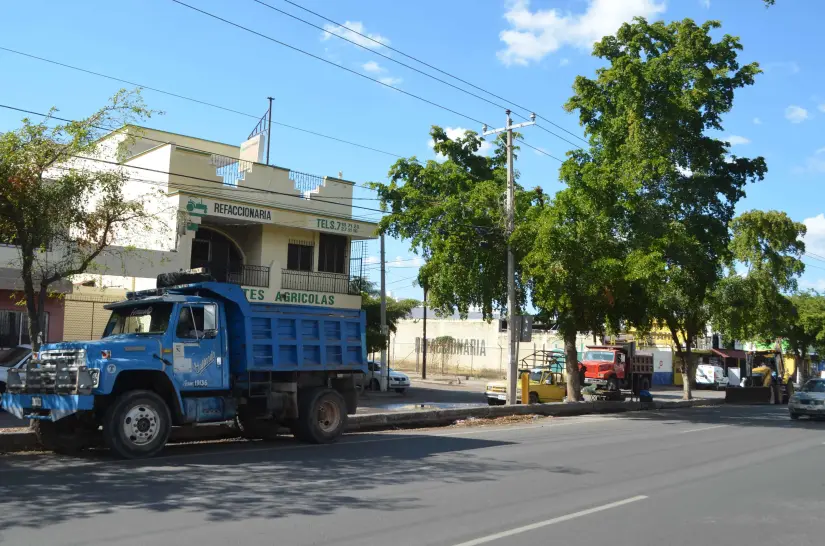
[424, 339]
[512, 333]
[269, 130]
[384, 365]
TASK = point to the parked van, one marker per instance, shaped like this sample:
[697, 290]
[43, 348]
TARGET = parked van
[711, 376]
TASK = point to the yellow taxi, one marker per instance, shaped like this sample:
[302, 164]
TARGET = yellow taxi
[546, 385]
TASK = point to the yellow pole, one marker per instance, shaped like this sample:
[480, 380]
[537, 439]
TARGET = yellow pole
[525, 388]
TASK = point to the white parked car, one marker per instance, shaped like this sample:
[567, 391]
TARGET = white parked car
[399, 382]
[711, 376]
[15, 357]
[809, 400]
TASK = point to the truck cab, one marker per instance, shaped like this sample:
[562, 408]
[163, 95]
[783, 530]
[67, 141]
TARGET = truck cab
[617, 367]
[195, 353]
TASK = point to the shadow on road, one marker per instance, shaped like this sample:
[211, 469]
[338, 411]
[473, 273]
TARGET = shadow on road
[729, 414]
[242, 481]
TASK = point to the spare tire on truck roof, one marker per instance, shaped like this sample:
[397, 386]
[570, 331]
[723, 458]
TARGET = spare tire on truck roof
[178, 278]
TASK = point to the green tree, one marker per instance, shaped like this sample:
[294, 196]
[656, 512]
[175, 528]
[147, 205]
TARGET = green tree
[647, 113]
[452, 212]
[754, 306]
[60, 214]
[807, 327]
[371, 304]
[574, 264]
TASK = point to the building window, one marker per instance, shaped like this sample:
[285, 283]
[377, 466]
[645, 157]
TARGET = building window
[14, 329]
[332, 253]
[299, 257]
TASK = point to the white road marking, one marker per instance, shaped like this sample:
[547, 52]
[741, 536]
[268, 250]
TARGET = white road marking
[701, 429]
[540, 524]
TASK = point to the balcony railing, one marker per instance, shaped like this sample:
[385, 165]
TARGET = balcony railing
[246, 275]
[312, 281]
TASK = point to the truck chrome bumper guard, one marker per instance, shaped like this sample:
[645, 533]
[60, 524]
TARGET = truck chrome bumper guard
[55, 376]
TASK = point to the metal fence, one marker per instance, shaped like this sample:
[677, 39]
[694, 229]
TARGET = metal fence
[312, 281]
[249, 275]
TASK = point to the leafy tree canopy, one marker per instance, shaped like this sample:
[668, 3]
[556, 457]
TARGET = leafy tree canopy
[452, 212]
[646, 114]
[60, 213]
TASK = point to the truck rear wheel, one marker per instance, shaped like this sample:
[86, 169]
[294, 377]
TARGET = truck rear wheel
[137, 424]
[322, 416]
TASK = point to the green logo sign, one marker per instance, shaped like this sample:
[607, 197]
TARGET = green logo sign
[196, 208]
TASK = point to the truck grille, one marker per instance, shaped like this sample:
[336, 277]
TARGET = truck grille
[55, 372]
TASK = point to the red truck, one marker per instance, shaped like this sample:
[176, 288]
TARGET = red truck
[618, 367]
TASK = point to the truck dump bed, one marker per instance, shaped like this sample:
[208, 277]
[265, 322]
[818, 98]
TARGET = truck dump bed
[303, 338]
[272, 337]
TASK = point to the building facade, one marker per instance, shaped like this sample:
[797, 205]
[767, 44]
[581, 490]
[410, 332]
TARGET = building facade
[284, 236]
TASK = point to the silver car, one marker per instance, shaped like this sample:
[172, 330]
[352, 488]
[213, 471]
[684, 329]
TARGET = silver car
[809, 400]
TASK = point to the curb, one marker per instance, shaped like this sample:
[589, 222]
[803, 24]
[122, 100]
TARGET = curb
[11, 442]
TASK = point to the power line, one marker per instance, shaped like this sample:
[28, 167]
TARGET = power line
[247, 29]
[197, 101]
[327, 61]
[432, 67]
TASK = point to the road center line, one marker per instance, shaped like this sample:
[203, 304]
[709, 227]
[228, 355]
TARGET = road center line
[701, 429]
[560, 519]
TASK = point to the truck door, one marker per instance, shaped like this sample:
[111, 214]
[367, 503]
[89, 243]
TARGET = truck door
[197, 347]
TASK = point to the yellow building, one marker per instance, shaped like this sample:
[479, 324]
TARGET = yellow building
[284, 236]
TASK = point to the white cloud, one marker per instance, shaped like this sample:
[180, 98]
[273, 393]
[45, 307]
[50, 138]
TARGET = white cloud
[372, 67]
[358, 27]
[815, 237]
[454, 133]
[822, 107]
[412, 262]
[564, 62]
[818, 284]
[736, 140]
[390, 81]
[757, 121]
[790, 67]
[372, 260]
[814, 164]
[796, 114]
[535, 34]
[705, 3]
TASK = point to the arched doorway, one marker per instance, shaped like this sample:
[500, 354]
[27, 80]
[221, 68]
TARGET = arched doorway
[216, 252]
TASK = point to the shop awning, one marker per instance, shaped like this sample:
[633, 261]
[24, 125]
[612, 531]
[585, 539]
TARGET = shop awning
[730, 353]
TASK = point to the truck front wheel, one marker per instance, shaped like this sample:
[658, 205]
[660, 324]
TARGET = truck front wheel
[322, 416]
[137, 424]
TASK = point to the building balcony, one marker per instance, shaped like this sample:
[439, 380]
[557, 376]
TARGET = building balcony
[244, 275]
[312, 281]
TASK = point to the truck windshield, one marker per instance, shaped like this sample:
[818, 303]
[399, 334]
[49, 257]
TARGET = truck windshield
[603, 356]
[139, 319]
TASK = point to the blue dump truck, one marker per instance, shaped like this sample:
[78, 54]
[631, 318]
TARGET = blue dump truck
[194, 351]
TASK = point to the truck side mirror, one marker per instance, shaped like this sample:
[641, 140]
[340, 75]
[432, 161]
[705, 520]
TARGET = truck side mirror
[210, 334]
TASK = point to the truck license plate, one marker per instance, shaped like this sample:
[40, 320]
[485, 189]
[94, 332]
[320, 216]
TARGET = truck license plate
[37, 402]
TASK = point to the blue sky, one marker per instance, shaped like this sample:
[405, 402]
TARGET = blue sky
[525, 51]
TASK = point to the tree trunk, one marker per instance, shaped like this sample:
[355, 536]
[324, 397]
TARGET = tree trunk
[32, 311]
[684, 357]
[688, 373]
[803, 369]
[571, 357]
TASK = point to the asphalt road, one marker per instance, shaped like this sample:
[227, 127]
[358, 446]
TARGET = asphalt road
[720, 476]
